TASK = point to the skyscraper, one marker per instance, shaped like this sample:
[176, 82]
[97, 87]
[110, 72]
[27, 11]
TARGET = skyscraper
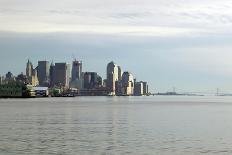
[43, 73]
[76, 70]
[127, 84]
[145, 88]
[90, 80]
[31, 74]
[77, 76]
[52, 74]
[138, 90]
[119, 73]
[112, 77]
[62, 74]
[29, 69]
[34, 77]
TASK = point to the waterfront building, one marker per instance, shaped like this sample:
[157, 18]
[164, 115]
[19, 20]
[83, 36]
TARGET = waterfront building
[34, 78]
[76, 70]
[15, 89]
[145, 88]
[52, 75]
[41, 91]
[29, 68]
[43, 73]
[112, 77]
[31, 74]
[104, 83]
[77, 75]
[62, 75]
[127, 84]
[138, 90]
[92, 80]
[99, 81]
[119, 73]
[119, 88]
[78, 84]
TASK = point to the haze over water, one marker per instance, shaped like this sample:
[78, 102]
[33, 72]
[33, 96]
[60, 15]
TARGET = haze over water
[116, 125]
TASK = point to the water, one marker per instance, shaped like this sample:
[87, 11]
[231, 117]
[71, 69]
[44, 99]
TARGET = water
[116, 125]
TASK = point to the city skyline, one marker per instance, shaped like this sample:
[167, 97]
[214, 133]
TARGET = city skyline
[168, 43]
[71, 80]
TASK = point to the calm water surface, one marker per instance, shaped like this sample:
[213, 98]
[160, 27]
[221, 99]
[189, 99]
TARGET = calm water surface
[116, 125]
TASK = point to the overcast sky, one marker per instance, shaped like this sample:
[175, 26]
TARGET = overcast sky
[185, 44]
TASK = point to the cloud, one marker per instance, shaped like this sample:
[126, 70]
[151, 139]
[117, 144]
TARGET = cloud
[138, 17]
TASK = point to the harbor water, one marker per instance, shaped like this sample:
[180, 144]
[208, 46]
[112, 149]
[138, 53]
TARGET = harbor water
[159, 125]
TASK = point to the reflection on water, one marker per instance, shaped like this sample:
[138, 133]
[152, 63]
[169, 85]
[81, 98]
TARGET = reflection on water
[116, 125]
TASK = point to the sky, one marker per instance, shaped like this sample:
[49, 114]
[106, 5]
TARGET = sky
[186, 44]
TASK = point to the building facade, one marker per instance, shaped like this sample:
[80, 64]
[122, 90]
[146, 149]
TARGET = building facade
[43, 73]
[92, 80]
[62, 75]
[138, 90]
[29, 68]
[76, 70]
[31, 74]
[127, 84]
[112, 77]
[34, 78]
[52, 75]
[145, 88]
[77, 75]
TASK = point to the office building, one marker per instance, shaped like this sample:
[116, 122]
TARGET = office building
[77, 75]
[127, 84]
[52, 75]
[112, 77]
[92, 80]
[62, 75]
[29, 68]
[34, 78]
[43, 73]
[138, 90]
[119, 73]
[76, 70]
[31, 74]
[145, 88]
